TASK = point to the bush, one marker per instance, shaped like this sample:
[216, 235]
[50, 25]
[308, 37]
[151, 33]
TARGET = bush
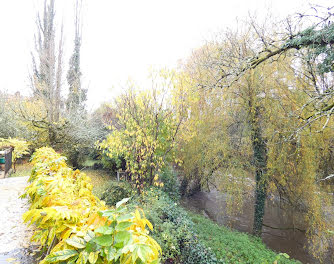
[112, 164]
[173, 230]
[171, 183]
[116, 191]
[74, 226]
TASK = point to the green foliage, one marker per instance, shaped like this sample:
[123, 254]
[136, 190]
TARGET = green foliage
[10, 125]
[171, 185]
[112, 164]
[232, 246]
[100, 179]
[116, 191]
[80, 133]
[319, 43]
[174, 230]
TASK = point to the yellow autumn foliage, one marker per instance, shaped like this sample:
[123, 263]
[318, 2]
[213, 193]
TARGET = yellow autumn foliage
[75, 226]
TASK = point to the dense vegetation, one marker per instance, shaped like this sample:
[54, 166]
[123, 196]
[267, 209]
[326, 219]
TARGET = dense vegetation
[248, 113]
[187, 237]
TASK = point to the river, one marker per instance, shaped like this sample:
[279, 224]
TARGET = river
[290, 241]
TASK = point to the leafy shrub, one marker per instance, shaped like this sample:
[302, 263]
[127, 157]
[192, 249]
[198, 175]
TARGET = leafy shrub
[75, 226]
[116, 192]
[109, 164]
[173, 230]
[171, 185]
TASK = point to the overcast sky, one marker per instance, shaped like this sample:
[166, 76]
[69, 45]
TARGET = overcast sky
[123, 38]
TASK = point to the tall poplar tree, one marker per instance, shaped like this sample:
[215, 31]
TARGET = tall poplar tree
[77, 95]
[46, 79]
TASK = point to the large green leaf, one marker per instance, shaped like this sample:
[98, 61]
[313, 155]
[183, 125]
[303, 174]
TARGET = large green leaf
[106, 230]
[104, 240]
[122, 238]
[123, 225]
[61, 255]
[76, 242]
[107, 213]
[143, 252]
[92, 246]
[124, 217]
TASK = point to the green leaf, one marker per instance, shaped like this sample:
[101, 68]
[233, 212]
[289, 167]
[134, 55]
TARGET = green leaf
[121, 210]
[110, 253]
[284, 255]
[104, 240]
[123, 201]
[61, 255]
[123, 225]
[76, 242]
[106, 230]
[143, 252]
[107, 213]
[89, 236]
[122, 238]
[91, 246]
[125, 217]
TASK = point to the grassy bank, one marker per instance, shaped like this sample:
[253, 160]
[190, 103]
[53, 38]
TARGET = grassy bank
[232, 246]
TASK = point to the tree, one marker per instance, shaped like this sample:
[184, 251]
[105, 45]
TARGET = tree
[243, 132]
[46, 79]
[246, 97]
[10, 125]
[77, 94]
[145, 132]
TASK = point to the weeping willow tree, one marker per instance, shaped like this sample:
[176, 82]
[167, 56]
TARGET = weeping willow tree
[252, 133]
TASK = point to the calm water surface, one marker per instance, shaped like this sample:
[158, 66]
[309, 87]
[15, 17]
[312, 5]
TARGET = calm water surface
[290, 241]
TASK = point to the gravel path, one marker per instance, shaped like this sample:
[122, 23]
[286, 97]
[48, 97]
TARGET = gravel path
[14, 234]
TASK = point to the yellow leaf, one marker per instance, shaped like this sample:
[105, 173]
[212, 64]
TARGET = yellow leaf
[93, 256]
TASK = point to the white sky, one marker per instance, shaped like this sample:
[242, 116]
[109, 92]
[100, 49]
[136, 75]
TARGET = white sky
[123, 38]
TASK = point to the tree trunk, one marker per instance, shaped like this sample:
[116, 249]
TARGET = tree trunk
[260, 162]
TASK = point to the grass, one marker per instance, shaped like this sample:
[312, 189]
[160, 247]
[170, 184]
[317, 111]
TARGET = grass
[232, 246]
[22, 169]
[90, 163]
[100, 180]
